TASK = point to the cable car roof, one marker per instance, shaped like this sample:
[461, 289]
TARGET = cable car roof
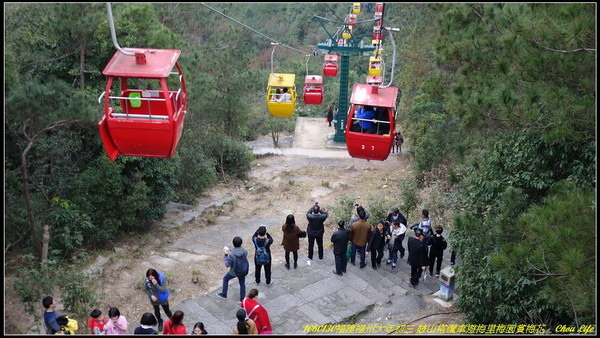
[313, 79]
[331, 57]
[159, 63]
[281, 80]
[362, 94]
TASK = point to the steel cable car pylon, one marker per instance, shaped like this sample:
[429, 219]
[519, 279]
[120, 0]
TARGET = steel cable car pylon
[353, 46]
[146, 121]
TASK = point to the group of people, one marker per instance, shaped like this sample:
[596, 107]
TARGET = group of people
[281, 97]
[425, 250]
[155, 284]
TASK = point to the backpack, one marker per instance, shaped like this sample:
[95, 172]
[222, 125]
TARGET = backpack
[262, 256]
[240, 266]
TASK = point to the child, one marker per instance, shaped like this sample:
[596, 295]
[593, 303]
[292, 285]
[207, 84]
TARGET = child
[67, 325]
[199, 329]
[96, 323]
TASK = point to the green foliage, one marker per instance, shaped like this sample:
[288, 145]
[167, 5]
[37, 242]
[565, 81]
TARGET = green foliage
[68, 226]
[77, 291]
[409, 197]
[558, 252]
[231, 158]
[343, 209]
[434, 133]
[379, 206]
[195, 171]
[512, 71]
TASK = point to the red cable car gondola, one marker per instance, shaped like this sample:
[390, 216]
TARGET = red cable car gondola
[313, 89]
[371, 138]
[377, 33]
[352, 18]
[145, 118]
[330, 66]
[379, 7]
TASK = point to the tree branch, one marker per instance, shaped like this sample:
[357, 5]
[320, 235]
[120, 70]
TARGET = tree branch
[564, 51]
[47, 61]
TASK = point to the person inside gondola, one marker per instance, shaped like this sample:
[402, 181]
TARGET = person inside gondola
[365, 112]
[275, 97]
[382, 127]
[285, 97]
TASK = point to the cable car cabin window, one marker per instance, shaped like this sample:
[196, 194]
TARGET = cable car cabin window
[146, 101]
[371, 120]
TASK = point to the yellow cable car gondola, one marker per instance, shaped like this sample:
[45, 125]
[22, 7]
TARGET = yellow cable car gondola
[356, 8]
[374, 66]
[347, 33]
[281, 104]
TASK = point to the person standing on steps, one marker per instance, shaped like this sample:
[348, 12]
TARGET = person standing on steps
[262, 256]
[396, 215]
[438, 245]
[237, 262]
[174, 325]
[244, 324]
[360, 232]
[329, 115]
[291, 240]
[257, 312]
[156, 288]
[376, 245]
[417, 257]
[315, 230]
[340, 240]
[395, 236]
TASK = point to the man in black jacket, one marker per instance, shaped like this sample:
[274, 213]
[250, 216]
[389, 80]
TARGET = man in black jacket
[438, 245]
[315, 230]
[417, 257]
[340, 240]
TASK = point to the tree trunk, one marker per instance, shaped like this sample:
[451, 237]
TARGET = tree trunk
[82, 65]
[27, 196]
[45, 243]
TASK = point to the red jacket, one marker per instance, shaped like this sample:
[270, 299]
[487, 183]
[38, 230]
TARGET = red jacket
[170, 329]
[258, 314]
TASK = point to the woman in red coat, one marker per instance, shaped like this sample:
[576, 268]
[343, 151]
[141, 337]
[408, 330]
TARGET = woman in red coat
[257, 312]
[174, 325]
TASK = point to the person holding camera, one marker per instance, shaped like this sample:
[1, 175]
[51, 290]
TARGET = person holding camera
[156, 288]
[316, 218]
[291, 240]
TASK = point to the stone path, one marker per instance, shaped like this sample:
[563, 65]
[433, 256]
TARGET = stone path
[308, 295]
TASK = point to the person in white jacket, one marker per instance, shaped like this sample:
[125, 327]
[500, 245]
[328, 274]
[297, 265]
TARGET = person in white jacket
[395, 237]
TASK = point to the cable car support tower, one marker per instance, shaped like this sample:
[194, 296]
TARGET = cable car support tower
[353, 46]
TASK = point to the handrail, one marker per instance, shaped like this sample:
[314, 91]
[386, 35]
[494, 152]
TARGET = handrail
[140, 116]
[378, 121]
[135, 98]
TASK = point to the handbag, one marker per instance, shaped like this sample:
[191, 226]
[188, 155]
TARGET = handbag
[302, 234]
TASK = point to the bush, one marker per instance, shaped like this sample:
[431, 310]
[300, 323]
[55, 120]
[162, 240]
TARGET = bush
[231, 158]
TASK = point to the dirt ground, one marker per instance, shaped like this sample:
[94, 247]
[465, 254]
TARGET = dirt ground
[278, 185]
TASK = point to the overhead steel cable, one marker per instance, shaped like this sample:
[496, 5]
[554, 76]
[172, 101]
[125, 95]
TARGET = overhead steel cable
[254, 30]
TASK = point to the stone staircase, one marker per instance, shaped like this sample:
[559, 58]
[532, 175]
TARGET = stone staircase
[309, 295]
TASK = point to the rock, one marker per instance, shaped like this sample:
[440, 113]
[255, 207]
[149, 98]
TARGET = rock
[97, 268]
